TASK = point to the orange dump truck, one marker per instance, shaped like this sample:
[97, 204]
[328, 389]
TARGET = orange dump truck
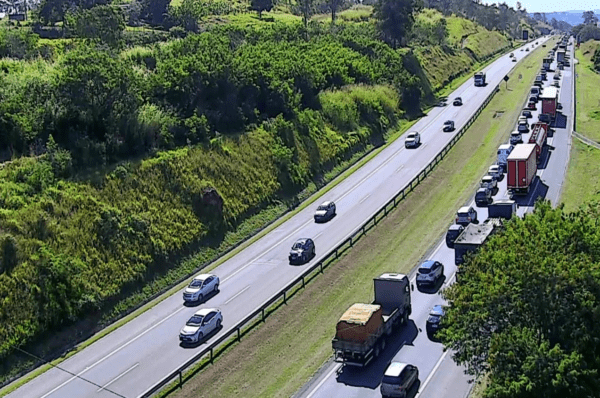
[362, 330]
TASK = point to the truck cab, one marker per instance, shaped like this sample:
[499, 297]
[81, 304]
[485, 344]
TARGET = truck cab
[503, 151]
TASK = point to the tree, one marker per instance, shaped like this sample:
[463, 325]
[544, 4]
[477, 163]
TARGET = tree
[525, 309]
[154, 11]
[519, 6]
[306, 9]
[101, 23]
[260, 6]
[334, 6]
[537, 16]
[589, 18]
[395, 19]
[554, 23]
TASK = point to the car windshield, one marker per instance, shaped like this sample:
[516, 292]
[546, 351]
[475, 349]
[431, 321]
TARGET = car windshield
[196, 320]
[322, 207]
[196, 283]
[297, 246]
[424, 270]
[411, 135]
[392, 379]
[433, 319]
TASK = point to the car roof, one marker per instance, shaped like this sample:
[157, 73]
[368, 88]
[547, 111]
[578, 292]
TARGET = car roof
[456, 227]
[413, 132]
[494, 166]
[448, 121]
[394, 369]
[427, 264]
[206, 311]
[482, 190]
[487, 177]
[464, 209]
[437, 310]
[302, 240]
[326, 203]
[202, 277]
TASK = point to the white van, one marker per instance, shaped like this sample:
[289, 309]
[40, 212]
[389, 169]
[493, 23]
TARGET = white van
[535, 91]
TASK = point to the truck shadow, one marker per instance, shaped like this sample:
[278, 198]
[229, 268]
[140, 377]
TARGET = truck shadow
[370, 376]
[560, 121]
[544, 157]
[538, 190]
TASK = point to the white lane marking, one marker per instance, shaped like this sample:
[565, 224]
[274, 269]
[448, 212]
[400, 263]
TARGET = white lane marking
[435, 368]
[399, 168]
[113, 352]
[118, 377]
[335, 368]
[317, 235]
[365, 198]
[240, 292]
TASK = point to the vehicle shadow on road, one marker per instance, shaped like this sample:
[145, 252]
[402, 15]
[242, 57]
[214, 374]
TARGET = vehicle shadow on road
[204, 299]
[539, 190]
[560, 121]
[545, 157]
[370, 376]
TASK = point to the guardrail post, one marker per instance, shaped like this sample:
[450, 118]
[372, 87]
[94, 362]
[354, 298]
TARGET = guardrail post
[321, 266]
[238, 333]
[211, 354]
[180, 380]
[284, 297]
[350, 240]
[263, 314]
[302, 282]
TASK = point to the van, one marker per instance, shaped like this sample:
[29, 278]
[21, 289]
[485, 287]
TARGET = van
[516, 138]
[503, 151]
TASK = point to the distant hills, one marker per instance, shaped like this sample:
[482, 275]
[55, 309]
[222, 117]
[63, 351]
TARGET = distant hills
[572, 17]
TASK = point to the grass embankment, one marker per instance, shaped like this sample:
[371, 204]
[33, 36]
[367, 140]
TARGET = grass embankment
[277, 358]
[467, 45]
[583, 179]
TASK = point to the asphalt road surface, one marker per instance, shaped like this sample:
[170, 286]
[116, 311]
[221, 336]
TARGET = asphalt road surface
[132, 358]
[439, 376]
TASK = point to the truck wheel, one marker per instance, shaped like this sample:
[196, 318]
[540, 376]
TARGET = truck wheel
[405, 318]
[376, 354]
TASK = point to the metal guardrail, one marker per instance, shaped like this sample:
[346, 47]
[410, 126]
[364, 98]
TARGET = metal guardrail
[333, 255]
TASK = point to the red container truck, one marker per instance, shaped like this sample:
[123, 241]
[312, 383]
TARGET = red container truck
[539, 133]
[549, 98]
[522, 166]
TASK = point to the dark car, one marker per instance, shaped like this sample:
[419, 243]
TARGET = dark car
[544, 118]
[429, 273]
[302, 251]
[527, 113]
[531, 105]
[522, 128]
[433, 320]
[453, 232]
[533, 98]
[448, 125]
[457, 101]
[325, 211]
[483, 197]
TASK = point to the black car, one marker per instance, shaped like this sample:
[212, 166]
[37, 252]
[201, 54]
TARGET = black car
[457, 101]
[433, 320]
[544, 118]
[453, 232]
[527, 113]
[302, 251]
[483, 197]
[448, 125]
[325, 211]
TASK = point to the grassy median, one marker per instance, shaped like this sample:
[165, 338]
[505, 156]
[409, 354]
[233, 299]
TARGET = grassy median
[278, 357]
[583, 181]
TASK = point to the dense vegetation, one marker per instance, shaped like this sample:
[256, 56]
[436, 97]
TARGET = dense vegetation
[528, 316]
[147, 154]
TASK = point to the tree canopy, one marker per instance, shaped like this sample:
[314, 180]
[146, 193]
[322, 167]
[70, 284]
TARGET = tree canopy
[526, 310]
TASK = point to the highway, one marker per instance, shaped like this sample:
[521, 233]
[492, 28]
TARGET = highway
[439, 376]
[129, 360]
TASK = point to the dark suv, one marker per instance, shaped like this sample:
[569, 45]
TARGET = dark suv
[453, 232]
[302, 251]
[483, 197]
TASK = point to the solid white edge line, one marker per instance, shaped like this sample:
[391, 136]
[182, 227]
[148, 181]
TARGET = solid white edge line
[365, 198]
[112, 353]
[431, 374]
[237, 294]
[118, 377]
[314, 391]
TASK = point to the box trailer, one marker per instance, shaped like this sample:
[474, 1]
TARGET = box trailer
[522, 166]
[539, 133]
[549, 98]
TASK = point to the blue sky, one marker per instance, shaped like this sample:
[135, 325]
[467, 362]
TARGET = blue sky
[553, 5]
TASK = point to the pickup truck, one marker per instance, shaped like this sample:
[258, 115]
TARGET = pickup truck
[362, 330]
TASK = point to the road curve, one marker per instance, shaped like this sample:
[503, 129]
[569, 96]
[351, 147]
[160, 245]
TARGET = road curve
[129, 360]
[439, 376]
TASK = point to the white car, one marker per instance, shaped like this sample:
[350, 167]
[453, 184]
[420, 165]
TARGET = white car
[201, 286]
[466, 215]
[325, 211]
[413, 139]
[495, 171]
[202, 323]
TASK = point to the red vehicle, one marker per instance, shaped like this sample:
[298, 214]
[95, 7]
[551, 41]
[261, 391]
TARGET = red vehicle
[549, 98]
[522, 166]
[539, 133]
[531, 106]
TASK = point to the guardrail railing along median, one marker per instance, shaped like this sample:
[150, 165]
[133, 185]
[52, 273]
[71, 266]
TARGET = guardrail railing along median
[236, 331]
